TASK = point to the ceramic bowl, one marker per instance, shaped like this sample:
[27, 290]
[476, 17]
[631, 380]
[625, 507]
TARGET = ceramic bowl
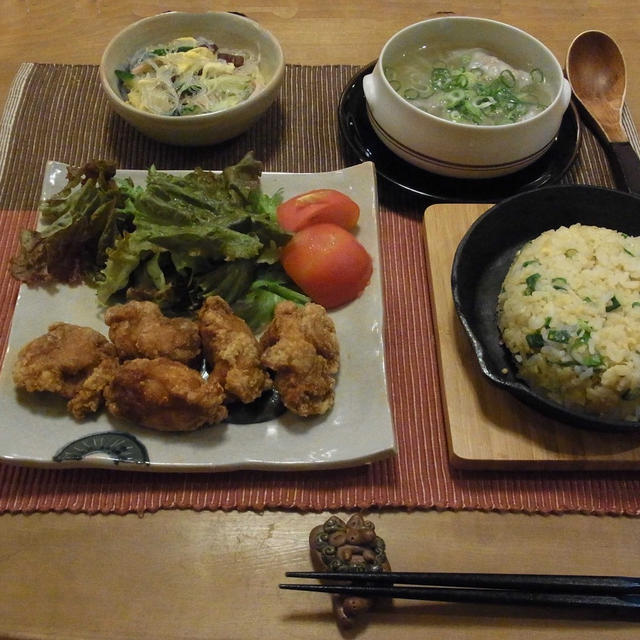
[228, 31]
[457, 149]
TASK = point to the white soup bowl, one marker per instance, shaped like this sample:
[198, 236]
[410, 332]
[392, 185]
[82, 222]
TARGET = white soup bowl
[454, 148]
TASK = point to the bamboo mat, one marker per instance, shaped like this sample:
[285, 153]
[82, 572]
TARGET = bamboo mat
[57, 112]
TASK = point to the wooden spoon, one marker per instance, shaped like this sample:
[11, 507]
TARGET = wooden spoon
[596, 72]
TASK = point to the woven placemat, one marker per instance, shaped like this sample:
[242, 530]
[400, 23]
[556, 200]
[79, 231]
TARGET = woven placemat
[57, 112]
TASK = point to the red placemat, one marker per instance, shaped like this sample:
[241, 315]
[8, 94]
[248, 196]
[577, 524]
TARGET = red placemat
[58, 112]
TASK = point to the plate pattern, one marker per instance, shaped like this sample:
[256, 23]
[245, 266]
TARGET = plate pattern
[118, 447]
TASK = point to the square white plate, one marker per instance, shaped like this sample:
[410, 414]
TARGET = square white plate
[35, 427]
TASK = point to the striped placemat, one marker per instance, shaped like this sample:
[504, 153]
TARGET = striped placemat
[57, 112]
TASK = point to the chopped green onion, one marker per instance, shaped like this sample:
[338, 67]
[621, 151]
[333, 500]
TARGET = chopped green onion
[410, 94]
[613, 304]
[559, 283]
[419, 81]
[537, 75]
[584, 332]
[530, 262]
[441, 78]
[531, 283]
[559, 335]
[124, 76]
[390, 73]
[593, 360]
[570, 253]
[454, 98]
[535, 340]
[483, 102]
[507, 78]
[472, 111]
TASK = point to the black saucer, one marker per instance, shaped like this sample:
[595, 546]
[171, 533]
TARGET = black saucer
[363, 142]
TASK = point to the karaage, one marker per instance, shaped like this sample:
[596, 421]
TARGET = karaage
[71, 361]
[90, 395]
[232, 351]
[165, 395]
[140, 330]
[301, 348]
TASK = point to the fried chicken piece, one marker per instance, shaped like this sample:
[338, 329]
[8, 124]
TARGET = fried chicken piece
[90, 396]
[301, 347]
[71, 361]
[165, 395]
[232, 351]
[141, 330]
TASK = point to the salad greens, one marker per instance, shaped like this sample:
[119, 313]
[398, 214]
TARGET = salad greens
[82, 221]
[175, 240]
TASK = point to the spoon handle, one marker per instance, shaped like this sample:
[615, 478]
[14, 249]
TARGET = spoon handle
[628, 166]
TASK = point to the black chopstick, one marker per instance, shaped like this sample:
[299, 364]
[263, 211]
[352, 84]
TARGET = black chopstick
[483, 596]
[605, 585]
[601, 592]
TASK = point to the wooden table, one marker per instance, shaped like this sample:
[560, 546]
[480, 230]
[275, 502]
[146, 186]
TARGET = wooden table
[183, 574]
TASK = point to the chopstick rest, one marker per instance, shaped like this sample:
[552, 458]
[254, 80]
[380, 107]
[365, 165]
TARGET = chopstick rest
[353, 546]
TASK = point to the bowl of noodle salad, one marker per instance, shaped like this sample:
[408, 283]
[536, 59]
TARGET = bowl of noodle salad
[192, 79]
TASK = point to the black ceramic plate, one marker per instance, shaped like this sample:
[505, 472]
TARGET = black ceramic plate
[365, 145]
[485, 254]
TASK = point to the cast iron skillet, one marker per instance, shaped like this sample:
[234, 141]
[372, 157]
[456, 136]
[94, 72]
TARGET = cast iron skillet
[483, 258]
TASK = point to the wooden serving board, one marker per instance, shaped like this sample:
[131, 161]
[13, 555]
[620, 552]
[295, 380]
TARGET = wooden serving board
[487, 428]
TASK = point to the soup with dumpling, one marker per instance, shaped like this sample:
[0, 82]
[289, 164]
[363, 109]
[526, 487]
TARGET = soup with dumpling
[471, 86]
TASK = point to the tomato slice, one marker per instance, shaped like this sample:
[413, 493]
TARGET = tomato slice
[328, 264]
[319, 205]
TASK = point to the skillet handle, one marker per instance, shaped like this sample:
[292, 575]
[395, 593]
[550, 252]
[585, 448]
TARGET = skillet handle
[628, 166]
